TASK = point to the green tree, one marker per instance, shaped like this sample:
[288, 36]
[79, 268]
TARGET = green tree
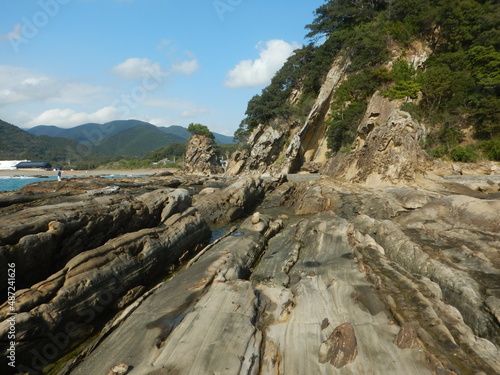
[486, 65]
[409, 19]
[406, 85]
[200, 129]
[343, 124]
[338, 15]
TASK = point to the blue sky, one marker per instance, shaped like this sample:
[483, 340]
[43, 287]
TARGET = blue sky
[169, 62]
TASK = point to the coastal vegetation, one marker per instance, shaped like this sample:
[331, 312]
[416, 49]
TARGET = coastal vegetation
[455, 93]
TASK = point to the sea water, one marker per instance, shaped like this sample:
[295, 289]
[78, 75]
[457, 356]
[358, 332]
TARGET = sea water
[9, 183]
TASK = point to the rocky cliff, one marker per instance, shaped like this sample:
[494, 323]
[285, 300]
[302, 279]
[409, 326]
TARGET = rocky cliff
[386, 137]
[284, 147]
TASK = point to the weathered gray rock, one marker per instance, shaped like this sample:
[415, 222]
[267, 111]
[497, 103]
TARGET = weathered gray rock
[449, 242]
[280, 329]
[93, 282]
[201, 156]
[187, 325]
[379, 280]
[232, 202]
[415, 301]
[41, 238]
[309, 284]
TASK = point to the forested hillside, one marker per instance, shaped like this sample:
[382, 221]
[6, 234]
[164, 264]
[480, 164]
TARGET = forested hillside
[18, 144]
[455, 92]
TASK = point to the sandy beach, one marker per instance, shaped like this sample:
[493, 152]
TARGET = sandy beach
[95, 172]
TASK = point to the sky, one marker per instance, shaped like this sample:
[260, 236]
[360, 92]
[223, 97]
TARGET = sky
[168, 62]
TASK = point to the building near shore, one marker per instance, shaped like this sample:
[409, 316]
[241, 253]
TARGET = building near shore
[10, 165]
[43, 165]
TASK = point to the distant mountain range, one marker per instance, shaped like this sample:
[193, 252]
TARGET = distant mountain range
[116, 138]
[143, 131]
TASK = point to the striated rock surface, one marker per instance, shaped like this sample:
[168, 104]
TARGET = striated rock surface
[220, 322]
[87, 251]
[386, 148]
[323, 277]
[201, 156]
[44, 236]
[93, 282]
[232, 202]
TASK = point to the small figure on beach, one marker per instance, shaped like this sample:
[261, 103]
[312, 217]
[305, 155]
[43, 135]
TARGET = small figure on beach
[59, 175]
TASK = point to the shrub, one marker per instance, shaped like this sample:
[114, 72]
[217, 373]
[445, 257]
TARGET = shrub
[437, 152]
[464, 154]
[491, 148]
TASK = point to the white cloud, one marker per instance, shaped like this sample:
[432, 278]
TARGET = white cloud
[184, 108]
[67, 118]
[175, 104]
[194, 112]
[135, 67]
[160, 121]
[252, 73]
[186, 68]
[19, 85]
[15, 34]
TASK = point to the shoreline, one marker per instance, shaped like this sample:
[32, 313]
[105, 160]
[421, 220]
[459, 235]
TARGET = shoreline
[83, 173]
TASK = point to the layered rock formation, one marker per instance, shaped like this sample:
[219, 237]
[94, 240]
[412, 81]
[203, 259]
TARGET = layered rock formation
[43, 237]
[348, 286]
[81, 255]
[326, 277]
[386, 148]
[225, 205]
[201, 156]
[309, 144]
[296, 144]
